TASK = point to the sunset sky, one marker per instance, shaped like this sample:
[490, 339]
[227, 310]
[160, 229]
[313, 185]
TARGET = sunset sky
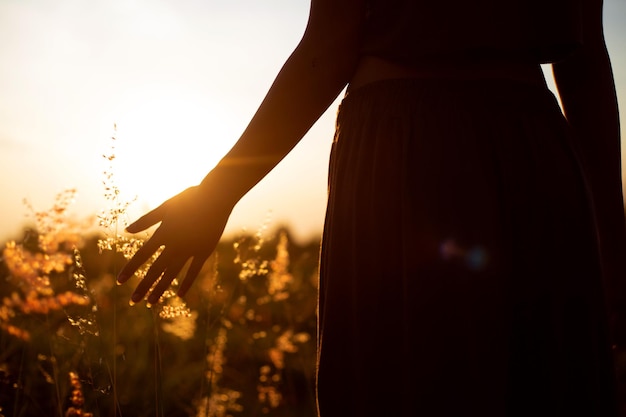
[180, 79]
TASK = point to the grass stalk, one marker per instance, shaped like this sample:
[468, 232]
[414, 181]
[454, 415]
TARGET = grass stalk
[55, 370]
[158, 386]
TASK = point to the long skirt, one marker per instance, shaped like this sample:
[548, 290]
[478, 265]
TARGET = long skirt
[459, 267]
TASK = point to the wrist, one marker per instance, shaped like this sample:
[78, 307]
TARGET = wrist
[222, 184]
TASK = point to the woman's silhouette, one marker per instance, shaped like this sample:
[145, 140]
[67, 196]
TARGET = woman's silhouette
[460, 270]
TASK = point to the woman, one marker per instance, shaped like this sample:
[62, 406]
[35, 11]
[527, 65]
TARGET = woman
[460, 272]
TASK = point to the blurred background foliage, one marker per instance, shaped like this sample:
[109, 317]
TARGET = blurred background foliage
[242, 342]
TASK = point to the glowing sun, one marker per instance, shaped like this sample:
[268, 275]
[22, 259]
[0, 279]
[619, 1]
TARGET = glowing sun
[167, 140]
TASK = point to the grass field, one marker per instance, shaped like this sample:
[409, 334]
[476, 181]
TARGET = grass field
[242, 343]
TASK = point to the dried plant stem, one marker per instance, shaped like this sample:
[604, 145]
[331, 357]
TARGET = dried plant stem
[19, 385]
[114, 297]
[115, 402]
[55, 370]
[157, 369]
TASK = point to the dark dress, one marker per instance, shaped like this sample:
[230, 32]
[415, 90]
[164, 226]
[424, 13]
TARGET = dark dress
[459, 267]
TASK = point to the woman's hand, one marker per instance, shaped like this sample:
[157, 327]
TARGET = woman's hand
[191, 226]
[315, 73]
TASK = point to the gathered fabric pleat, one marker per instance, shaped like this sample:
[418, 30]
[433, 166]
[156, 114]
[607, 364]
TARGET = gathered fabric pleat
[459, 272]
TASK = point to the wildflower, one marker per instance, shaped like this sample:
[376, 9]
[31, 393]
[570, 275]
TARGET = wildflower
[280, 278]
[285, 343]
[248, 256]
[268, 394]
[182, 326]
[33, 270]
[76, 398]
[115, 214]
[221, 400]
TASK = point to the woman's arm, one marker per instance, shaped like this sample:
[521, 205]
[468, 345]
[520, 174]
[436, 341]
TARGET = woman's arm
[316, 72]
[587, 91]
[312, 77]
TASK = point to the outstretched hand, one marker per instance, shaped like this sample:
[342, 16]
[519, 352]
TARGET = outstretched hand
[191, 226]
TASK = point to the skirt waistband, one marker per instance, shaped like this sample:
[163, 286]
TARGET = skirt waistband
[372, 69]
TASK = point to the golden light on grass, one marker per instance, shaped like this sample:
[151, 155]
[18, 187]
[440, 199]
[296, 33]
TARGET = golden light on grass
[256, 301]
[34, 270]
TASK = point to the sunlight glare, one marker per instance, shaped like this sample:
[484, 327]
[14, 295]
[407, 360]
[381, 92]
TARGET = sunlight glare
[167, 141]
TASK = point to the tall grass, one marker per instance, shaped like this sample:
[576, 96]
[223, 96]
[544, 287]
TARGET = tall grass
[242, 343]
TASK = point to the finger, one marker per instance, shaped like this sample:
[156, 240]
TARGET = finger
[144, 253]
[192, 274]
[152, 275]
[149, 219]
[164, 283]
